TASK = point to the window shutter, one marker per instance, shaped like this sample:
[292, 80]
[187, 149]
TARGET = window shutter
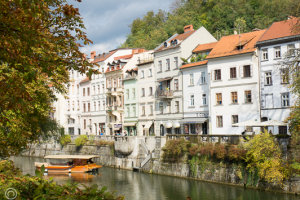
[251, 70]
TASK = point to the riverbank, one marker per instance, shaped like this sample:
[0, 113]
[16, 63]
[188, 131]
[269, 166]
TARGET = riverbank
[224, 173]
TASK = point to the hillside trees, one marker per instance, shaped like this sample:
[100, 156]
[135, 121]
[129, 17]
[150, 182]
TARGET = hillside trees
[39, 44]
[217, 16]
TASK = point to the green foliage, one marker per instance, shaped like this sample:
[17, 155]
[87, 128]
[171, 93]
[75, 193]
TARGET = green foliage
[81, 140]
[30, 187]
[295, 167]
[264, 155]
[65, 139]
[39, 45]
[175, 149]
[220, 17]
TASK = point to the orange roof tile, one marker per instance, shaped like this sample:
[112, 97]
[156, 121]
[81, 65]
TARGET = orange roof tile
[103, 56]
[115, 68]
[87, 79]
[204, 47]
[227, 46]
[281, 29]
[203, 62]
[123, 57]
[180, 37]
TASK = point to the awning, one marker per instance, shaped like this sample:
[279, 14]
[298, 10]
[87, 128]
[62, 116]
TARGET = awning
[129, 124]
[168, 125]
[176, 125]
[194, 120]
[164, 79]
[252, 123]
[148, 125]
[273, 123]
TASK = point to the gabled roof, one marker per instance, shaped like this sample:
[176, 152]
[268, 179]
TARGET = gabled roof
[203, 62]
[87, 79]
[179, 37]
[204, 47]
[236, 44]
[104, 56]
[123, 57]
[281, 29]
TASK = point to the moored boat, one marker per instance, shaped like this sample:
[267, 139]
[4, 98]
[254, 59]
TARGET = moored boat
[69, 164]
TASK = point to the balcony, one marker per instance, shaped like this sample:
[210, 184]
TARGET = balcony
[130, 77]
[145, 60]
[165, 94]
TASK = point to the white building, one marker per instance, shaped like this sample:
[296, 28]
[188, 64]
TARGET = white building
[234, 84]
[146, 93]
[275, 46]
[196, 91]
[167, 60]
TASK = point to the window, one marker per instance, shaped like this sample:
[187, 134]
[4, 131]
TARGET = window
[161, 107]
[169, 106]
[285, 99]
[160, 66]
[219, 98]
[284, 75]
[192, 100]
[219, 121]
[234, 97]
[84, 108]
[151, 109]
[99, 105]
[150, 72]
[177, 106]
[89, 107]
[277, 52]
[127, 94]
[150, 91]
[191, 79]
[203, 79]
[268, 78]
[143, 92]
[234, 119]
[98, 89]
[134, 111]
[167, 64]
[78, 105]
[84, 123]
[94, 89]
[248, 96]
[233, 72]
[88, 91]
[282, 130]
[69, 105]
[83, 91]
[128, 111]
[73, 105]
[247, 71]
[77, 88]
[203, 99]
[265, 54]
[142, 74]
[143, 111]
[217, 74]
[291, 50]
[103, 88]
[176, 62]
[133, 93]
[176, 86]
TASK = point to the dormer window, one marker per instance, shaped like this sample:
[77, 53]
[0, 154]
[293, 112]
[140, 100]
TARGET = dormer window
[239, 47]
[165, 44]
[175, 42]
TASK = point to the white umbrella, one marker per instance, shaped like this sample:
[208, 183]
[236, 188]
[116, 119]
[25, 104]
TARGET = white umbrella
[273, 123]
[252, 123]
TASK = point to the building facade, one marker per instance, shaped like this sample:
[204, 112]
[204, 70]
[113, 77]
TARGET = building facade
[168, 77]
[276, 47]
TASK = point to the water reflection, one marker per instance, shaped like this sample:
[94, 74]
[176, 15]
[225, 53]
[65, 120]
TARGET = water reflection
[136, 186]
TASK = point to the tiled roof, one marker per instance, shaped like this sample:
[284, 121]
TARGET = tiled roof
[179, 37]
[87, 79]
[103, 57]
[281, 29]
[114, 68]
[123, 57]
[203, 62]
[228, 45]
[204, 47]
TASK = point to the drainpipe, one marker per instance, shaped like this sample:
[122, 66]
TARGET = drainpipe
[209, 102]
[259, 86]
[182, 100]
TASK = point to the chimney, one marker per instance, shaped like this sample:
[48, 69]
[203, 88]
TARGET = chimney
[93, 53]
[188, 28]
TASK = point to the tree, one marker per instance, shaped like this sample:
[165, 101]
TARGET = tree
[39, 44]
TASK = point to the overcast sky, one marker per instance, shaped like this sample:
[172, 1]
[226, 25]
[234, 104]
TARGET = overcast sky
[107, 21]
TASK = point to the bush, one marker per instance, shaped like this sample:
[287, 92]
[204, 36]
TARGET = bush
[175, 149]
[194, 150]
[81, 140]
[220, 151]
[65, 139]
[235, 153]
[104, 143]
[207, 150]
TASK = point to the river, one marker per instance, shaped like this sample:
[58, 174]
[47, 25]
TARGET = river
[141, 186]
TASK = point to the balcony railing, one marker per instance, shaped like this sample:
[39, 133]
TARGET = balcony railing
[165, 93]
[130, 77]
[145, 60]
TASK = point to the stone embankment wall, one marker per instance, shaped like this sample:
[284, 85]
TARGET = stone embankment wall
[129, 153]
